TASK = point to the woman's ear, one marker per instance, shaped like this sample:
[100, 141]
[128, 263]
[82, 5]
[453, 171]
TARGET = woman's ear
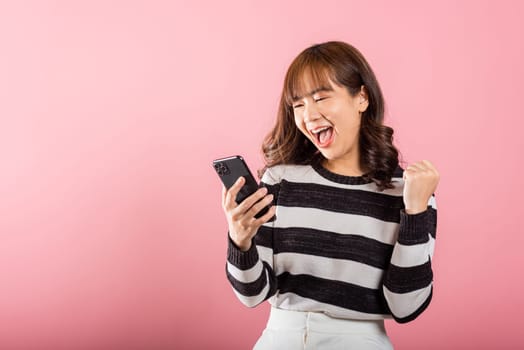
[363, 100]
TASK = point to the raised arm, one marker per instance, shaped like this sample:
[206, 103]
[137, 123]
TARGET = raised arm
[408, 284]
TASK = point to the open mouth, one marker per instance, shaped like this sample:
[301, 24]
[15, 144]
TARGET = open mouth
[324, 136]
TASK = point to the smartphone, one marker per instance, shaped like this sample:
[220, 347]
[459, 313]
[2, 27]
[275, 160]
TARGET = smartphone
[229, 170]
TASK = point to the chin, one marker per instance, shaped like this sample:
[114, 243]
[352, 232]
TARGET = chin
[329, 155]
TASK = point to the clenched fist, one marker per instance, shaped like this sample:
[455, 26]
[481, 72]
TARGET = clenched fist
[420, 182]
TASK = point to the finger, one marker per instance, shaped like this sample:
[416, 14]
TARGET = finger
[433, 172]
[409, 172]
[424, 167]
[251, 200]
[416, 166]
[430, 166]
[265, 218]
[427, 163]
[232, 193]
[224, 193]
[260, 205]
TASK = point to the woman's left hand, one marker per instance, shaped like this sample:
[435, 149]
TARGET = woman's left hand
[420, 182]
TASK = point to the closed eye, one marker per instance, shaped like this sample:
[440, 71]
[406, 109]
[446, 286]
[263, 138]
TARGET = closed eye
[298, 106]
[320, 99]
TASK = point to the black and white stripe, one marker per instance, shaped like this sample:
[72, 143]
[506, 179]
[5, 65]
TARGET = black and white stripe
[339, 246]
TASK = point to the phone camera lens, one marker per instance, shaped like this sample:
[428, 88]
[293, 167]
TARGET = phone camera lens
[221, 169]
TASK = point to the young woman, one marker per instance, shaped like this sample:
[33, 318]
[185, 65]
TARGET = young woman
[350, 237]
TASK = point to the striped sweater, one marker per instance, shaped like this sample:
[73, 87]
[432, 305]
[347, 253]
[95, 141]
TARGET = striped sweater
[337, 245]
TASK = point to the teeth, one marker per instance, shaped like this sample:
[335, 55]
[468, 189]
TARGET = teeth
[319, 130]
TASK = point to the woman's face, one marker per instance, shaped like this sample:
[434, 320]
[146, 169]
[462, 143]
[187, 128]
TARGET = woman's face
[330, 118]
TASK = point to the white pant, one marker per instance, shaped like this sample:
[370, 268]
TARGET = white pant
[293, 330]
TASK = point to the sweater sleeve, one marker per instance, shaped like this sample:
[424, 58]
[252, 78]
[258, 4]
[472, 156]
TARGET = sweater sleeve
[251, 272]
[408, 283]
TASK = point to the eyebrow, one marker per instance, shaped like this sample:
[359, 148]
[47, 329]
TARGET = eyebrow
[312, 92]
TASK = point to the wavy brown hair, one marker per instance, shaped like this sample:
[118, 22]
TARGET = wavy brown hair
[343, 64]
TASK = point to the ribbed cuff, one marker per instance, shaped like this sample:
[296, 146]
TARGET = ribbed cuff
[242, 260]
[413, 228]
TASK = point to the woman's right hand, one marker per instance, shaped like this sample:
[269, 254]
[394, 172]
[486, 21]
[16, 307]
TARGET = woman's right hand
[243, 225]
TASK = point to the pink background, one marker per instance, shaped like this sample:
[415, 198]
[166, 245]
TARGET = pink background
[111, 230]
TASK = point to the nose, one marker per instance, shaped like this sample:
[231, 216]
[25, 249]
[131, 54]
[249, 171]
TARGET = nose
[311, 112]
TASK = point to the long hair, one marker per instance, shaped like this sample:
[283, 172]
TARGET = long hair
[343, 64]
